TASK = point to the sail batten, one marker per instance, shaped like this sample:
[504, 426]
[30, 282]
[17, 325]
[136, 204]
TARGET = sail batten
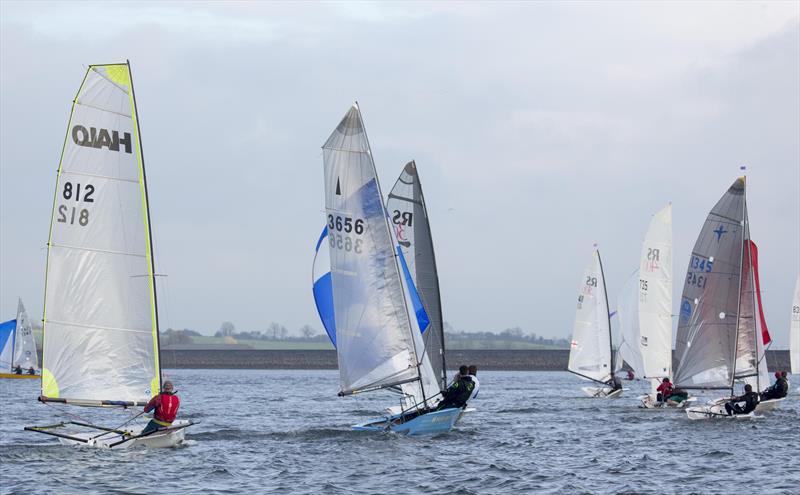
[100, 320]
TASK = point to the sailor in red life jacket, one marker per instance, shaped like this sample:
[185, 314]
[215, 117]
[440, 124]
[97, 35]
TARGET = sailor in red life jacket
[664, 390]
[166, 406]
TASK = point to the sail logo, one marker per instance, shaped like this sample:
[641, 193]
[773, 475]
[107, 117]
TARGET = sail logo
[100, 138]
[403, 218]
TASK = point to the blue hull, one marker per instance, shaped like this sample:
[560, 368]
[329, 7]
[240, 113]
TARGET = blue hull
[427, 424]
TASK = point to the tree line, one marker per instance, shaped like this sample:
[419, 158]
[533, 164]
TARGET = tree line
[307, 333]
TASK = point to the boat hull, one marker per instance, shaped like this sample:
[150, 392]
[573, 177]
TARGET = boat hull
[649, 402]
[160, 440]
[430, 423]
[14, 376]
[715, 410]
[769, 405]
[602, 392]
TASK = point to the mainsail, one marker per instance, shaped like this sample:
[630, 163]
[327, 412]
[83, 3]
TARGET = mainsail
[708, 318]
[590, 352]
[646, 303]
[24, 343]
[409, 215]
[374, 337]
[794, 330]
[100, 317]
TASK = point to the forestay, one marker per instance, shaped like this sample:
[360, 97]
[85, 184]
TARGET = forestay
[409, 216]
[374, 343]
[794, 330]
[100, 323]
[706, 340]
[646, 303]
[590, 350]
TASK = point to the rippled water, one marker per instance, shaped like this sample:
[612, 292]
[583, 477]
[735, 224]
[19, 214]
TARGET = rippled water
[287, 431]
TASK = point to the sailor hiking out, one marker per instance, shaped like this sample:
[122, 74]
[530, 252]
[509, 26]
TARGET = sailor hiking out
[459, 392]
[749, 398]
[779, 389]
[165, 406]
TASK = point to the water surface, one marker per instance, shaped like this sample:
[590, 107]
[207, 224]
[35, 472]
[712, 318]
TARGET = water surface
[272, 431]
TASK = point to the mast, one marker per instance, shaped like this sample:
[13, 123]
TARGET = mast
[149, 227]
[608, 316]
[14, 338]
[739, 292]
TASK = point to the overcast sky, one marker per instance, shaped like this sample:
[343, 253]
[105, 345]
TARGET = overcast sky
[538, 129]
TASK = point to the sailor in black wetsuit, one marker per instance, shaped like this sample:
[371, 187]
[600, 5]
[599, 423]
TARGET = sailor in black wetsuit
[458, 393]
[779, 389]
[749, 398]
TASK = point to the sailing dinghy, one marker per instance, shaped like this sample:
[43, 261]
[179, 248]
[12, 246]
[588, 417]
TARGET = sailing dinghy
[100, 320]
[722, 334]
[18, 347]
[378, 315]
[591, 354]
[645, 310]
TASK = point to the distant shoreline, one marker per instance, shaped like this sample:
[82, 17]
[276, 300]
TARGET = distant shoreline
[491, 360]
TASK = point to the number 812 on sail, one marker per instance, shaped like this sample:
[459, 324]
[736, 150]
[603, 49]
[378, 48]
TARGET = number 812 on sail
[71, 192]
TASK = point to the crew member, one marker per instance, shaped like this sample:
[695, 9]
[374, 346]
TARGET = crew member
[31, 371]
[458, 393]
[165, 406]
[18, 370]
[473, 374]
[664, 391]
[749, 398]
[779, 389]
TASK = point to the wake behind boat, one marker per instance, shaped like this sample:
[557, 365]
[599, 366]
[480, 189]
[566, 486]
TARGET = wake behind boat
[378, 337]
[100, 321]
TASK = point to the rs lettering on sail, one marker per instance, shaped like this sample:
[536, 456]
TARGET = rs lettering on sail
[100, 138]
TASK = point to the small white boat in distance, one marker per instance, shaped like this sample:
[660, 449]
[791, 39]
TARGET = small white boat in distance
[591, 355]
[18, 347]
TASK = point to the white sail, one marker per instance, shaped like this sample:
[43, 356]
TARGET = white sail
[100, 317]
[590, 350]
[647, 333]
[374, 339]
[630, 334]
[794, 330]
[24, 342]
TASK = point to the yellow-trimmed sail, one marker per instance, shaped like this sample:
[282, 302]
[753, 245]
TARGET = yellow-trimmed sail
[100, 319]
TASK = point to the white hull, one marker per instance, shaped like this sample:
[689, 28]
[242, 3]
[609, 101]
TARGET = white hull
[649, 402]
[602, 392]
[160, 440]
[769, 405]
[716, 410]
